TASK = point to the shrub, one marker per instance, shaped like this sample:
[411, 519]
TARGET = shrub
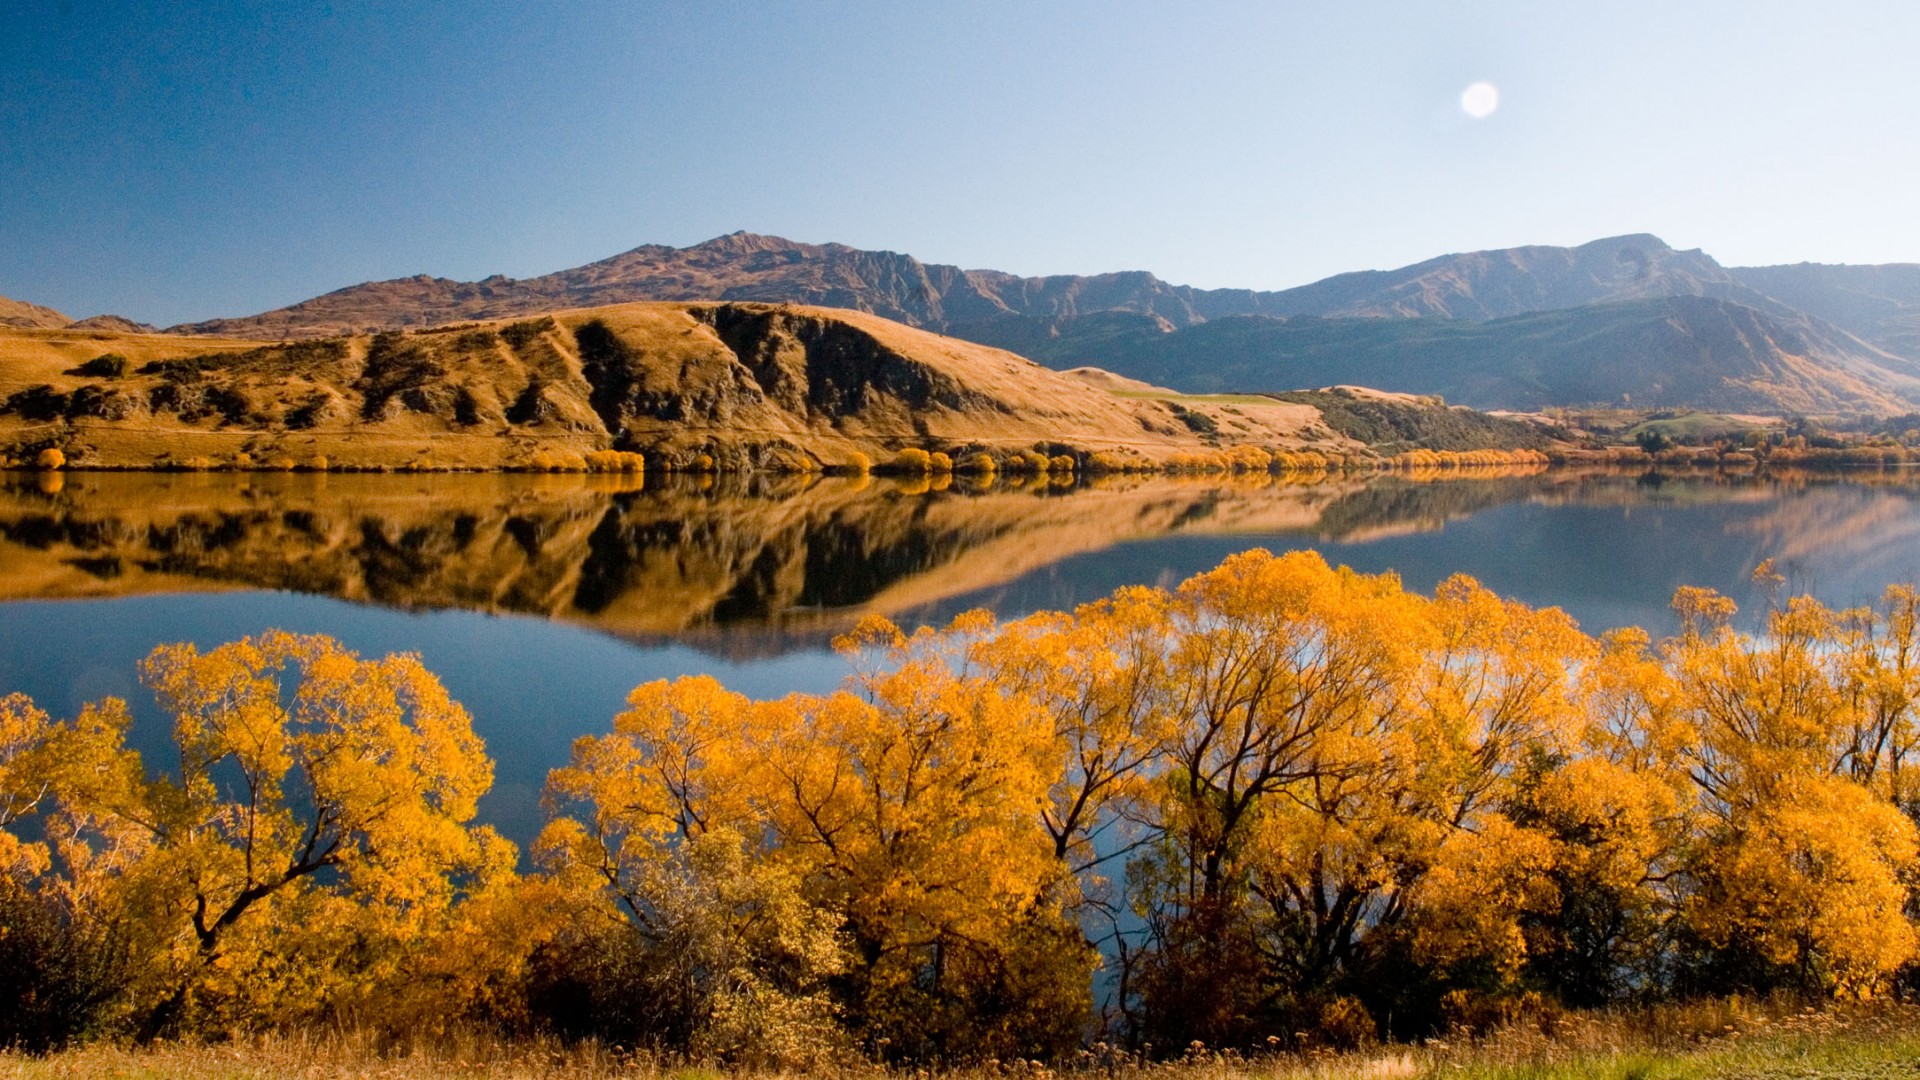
[106, 366]
[59, 969]
[50, 458]
[1345, 1024]
[622, 461]
[857, 464]
[318, 463]
[940, 463]
[1106, 461]
[1249, 459]
[978, 464]
[1028, 463]
[1060, 464]
[557, 461]
[913, 460]
[1196, 421]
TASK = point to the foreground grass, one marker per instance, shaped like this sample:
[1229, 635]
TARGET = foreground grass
[1719, 1042]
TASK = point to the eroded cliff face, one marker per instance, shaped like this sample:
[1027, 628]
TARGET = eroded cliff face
[737, 386]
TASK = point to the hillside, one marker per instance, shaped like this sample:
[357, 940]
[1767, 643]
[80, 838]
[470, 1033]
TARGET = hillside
[1651, 353]
[748, 385]
[1841, 339]
[21, 313]
[1880, 304]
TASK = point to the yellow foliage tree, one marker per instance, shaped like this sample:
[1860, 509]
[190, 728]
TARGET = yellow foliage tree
[912, 461]
[321, 803]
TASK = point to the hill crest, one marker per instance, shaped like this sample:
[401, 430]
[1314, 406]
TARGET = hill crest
[742, 386]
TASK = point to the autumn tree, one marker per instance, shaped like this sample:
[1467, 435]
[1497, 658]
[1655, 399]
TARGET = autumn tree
[1287, 800]
[60, 962]
[1101, 676]
[913, 800]
[1614, 810]
[684, 932]
[314, 831]
[1278, 670]
[1801, 874]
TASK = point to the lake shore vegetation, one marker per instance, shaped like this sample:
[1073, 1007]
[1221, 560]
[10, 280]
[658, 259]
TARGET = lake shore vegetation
[1283, 812]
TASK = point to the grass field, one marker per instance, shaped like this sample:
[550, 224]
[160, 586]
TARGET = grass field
[1699, 426]
[1723, 1041]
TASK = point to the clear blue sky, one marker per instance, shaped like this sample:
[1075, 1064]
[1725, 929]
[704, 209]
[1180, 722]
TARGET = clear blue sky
[182, 161]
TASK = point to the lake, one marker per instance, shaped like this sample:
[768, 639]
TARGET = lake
[542, 600]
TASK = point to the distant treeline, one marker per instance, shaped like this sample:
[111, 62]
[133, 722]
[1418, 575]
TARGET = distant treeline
[1281, 805]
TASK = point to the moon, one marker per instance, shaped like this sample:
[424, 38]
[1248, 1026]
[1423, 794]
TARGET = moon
[1479, 100]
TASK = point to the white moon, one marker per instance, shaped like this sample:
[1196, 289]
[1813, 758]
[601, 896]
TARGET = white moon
[1479, 100]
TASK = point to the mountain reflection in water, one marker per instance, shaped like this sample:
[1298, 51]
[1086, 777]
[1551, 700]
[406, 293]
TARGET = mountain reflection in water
[751, 561]
[750, 565]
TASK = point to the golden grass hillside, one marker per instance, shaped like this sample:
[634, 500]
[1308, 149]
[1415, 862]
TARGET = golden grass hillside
[722, 385]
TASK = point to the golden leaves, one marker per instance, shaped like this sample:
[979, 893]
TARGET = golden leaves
[1294, 769]
[320, 802]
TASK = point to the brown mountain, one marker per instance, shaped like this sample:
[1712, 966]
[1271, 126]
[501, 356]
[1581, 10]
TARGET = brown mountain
[1105, 319]
[750, 385]
[21, 313]
[740, 266]
[34, 317]
[746, 266]
[116, 323]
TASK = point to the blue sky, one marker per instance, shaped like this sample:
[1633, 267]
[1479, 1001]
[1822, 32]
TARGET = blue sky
[175, 162]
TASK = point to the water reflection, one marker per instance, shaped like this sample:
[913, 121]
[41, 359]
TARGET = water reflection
[754, 565]
[674, 560]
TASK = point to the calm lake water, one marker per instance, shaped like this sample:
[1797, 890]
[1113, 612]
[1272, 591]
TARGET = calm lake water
[541, 601]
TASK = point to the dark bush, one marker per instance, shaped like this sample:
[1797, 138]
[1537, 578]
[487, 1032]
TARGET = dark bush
[58, 971]
[41, 402]
[106, 366]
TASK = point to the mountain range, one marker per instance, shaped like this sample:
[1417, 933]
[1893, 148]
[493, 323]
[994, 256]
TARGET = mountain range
[1624, 320]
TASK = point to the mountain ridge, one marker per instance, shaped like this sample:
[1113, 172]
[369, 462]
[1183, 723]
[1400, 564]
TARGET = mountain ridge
[1661, 352]
[1855, 328]
[1478, 285]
